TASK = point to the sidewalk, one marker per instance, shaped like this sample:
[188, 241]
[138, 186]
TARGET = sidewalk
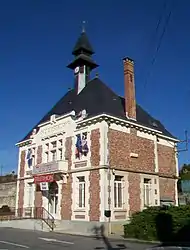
[120, 237]
[112, 237]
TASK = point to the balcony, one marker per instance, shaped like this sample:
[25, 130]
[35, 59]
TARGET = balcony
[51, 167]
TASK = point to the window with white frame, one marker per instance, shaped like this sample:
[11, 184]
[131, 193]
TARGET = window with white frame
[53, 151]
[147, 192]
[53, 155]
[81, 192]
[30, 194]
[118, 191]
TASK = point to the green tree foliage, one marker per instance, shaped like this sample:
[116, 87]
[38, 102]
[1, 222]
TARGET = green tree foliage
[184, 172]
[158, 223]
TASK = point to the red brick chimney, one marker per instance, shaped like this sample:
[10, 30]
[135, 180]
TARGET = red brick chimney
[130, 100]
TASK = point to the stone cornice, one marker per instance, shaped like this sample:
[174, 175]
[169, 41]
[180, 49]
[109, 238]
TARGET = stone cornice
[127, 123]
[24, 143]
[128, 170]
[111, 119]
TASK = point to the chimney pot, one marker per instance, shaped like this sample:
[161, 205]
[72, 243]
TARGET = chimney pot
[128, 59]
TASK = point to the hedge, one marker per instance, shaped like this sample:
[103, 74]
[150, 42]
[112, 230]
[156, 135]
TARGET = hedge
[160, 223]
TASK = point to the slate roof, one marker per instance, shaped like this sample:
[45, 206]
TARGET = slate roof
[83, 45]
[97, 98]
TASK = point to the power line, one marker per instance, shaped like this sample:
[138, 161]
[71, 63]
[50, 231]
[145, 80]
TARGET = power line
[159, 42]
[154, 35]
[161, 15]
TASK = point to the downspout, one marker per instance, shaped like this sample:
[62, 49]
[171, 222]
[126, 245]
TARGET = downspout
[109, 188]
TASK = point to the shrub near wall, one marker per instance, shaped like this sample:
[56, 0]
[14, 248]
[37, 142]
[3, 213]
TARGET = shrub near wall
[158, 223]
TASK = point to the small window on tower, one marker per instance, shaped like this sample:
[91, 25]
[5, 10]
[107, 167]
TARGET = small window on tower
[81, 70]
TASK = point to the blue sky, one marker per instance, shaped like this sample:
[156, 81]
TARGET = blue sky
[36, 39]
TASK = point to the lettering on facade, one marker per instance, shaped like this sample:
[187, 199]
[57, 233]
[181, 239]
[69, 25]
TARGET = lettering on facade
[54, 129]
[45, 168]
[43, 178]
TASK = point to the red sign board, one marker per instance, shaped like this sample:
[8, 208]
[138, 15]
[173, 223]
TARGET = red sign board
[43, 178]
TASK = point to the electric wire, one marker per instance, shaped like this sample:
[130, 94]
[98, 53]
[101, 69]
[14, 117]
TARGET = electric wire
[159, 42]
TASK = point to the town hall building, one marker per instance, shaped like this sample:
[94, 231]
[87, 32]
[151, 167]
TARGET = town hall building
[96, 156]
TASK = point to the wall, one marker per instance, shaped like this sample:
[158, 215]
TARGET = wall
[122, 144]
[8, 194]
[139, 153]
[28, 224]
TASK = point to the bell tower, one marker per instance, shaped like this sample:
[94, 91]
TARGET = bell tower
[83, 62]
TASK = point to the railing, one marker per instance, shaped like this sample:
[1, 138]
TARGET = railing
[50, 167]
[29, 213]
[43, 214]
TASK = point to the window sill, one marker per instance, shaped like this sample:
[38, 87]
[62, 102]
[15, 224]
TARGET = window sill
[120, 210]
[82, 210]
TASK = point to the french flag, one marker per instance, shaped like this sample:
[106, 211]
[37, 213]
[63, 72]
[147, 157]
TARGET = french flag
[29, 157]
[78, 146]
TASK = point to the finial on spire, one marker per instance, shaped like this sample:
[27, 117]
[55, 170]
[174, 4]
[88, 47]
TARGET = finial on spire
[83, 26]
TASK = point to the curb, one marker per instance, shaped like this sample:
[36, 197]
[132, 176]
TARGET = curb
[110, 237]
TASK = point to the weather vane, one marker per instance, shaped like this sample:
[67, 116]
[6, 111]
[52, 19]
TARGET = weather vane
[83, 26]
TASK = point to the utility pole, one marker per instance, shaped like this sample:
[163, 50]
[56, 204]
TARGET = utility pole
[186, 142]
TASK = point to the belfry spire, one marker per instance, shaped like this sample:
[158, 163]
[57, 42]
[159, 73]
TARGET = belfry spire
[83, 62]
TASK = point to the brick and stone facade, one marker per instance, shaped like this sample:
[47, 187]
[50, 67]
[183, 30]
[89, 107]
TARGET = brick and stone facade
[127, 152]
[80, 168]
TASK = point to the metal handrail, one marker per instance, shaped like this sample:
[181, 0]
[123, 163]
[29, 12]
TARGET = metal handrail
[29, 213]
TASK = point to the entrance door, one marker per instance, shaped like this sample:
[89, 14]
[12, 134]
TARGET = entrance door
[53, 199]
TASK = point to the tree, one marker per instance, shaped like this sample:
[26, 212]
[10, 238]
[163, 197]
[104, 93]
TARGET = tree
[184, 172]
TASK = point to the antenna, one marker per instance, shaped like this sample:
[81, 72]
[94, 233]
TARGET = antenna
[186, 143]
[83, 26]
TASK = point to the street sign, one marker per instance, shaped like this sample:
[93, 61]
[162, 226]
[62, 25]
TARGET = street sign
[44, 186]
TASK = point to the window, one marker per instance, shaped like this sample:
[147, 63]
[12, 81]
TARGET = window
[33, 156]
[54, 155]
[30, 195]
[60, 143]
[53, 151]
[118, 191]
[54, 144]
[81, 146]
[147, 192]
[81, 192]
[60, 156]
[46, 157]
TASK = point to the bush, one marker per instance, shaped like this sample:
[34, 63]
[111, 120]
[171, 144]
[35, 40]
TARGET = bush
[158, 223]
[5, 209]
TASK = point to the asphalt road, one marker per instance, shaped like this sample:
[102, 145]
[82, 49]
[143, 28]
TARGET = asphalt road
[23, 239]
